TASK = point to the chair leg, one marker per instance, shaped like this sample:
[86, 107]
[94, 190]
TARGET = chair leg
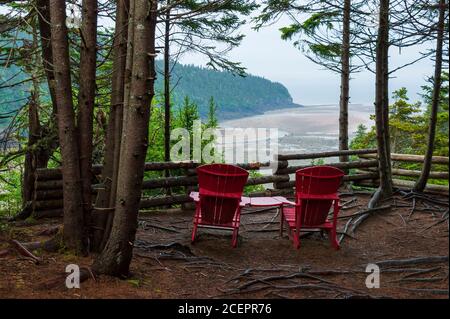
[194, 232]
[281, 222]
[296, 239]
[235, 238]
[333, 239]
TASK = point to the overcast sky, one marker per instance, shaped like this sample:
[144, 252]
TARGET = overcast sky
[263, 53]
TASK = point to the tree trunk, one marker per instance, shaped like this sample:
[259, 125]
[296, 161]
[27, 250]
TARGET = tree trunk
[73, 213]
[382, 103]
[43, 6]
[120, 123]
[167, 93]
[426, 168]
[48, 131]
[37, 156]
[30, 164]
[167, 87]
[345, 79]
[116, 257]
[86, 99]
[34, 129]
[114, 130]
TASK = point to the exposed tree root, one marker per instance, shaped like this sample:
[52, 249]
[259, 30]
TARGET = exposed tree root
[412, 261]
[60, 280]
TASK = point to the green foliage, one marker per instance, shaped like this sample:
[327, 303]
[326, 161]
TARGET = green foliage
[363, 138]
[442, 129]
[182, 116]
[319, 161]
[214, 29]
[10, 188]
[253, 188]
[404, 122]
[409, 124]
[212, 118]
[234, 96]
[316, 29]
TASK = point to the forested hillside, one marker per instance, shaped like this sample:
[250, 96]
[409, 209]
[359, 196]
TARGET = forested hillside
[11, 97]
[235, 96]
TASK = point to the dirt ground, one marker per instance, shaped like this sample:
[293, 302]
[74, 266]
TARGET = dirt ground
[264, 265]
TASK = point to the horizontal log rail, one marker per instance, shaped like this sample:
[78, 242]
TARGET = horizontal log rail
[343, 165]
[347, 178]
[287, 157]
[165, 182]
[411, 173]
[410, 158]
[47, 174]
[403, 184]
[48, 187]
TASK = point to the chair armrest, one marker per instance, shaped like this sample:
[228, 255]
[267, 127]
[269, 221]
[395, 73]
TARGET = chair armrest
[284, 200]
[288, 202]
[195, 196]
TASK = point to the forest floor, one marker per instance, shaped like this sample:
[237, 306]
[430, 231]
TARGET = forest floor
[264, 265]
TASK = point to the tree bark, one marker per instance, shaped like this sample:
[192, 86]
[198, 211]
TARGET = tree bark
[382, 103]
[114, 130]
[73, 213]
[86, 99]
[48, 130]
[167, 88]
[345, 81]
[426, 168]
[43, 7]
[120, 111]
[38, 157]
[116, 257]
[34, 156]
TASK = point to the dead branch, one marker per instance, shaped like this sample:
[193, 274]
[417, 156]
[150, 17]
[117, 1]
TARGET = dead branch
[435, 224]
[365, 214]
[148, 225]
[412, 261]
[49, 231]
[4, 252]
[426, 290]
[24, 251]
[421, 272]
[60, 280]
[347, 225]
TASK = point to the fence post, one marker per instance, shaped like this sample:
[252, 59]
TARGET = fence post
[189, 189]
[280, 164]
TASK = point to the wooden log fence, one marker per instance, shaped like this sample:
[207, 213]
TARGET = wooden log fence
[400, 172]
[363, 172]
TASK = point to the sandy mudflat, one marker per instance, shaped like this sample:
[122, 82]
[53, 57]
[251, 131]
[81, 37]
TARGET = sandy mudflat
[307, 128]
[308, 120]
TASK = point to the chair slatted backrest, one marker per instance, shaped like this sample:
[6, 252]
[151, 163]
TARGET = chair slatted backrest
[220, 191]
[318, 181]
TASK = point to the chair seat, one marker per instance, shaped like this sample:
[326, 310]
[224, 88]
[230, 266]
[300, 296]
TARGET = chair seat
[232, 224]
[289, 216]
[244, 200]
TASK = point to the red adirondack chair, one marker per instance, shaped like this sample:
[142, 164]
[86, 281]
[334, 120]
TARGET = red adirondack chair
[316, 191]
[219, 201]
